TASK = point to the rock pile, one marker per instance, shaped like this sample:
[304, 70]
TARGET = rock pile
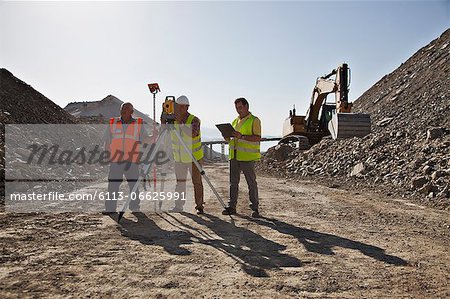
[408, 152]
[22, 104]
[101, 111]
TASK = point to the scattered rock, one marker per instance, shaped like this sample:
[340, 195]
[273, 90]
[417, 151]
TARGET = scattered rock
[418, 182]
[358, 170]
[384, 121]
[437, 174]
[427, 169]
[434, 133]
[426, 189]
[279, 152]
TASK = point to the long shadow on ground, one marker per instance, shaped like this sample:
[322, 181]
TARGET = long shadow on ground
[254, 253]
[323, 243]
[147, 232]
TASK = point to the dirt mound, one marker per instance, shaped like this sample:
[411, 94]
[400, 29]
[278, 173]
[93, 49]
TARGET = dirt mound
[22, 104]
[408, 152]
[101, 111]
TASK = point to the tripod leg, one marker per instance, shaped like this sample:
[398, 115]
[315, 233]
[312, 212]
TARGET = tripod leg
[199, 167]
[163, 171]
[163, 179]
[146, 169]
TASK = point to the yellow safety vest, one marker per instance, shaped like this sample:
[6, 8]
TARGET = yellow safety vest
[245, 150]
[194, 144]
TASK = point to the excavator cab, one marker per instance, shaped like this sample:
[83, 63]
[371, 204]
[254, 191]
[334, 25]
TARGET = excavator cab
[326, 115]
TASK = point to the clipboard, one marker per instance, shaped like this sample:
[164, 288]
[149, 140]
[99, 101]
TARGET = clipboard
[227, 130]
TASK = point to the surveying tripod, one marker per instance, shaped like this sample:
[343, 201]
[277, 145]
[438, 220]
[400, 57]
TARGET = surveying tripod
[161, 138]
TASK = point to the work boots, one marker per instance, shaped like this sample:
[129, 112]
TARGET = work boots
[255, 214]
[229, 211]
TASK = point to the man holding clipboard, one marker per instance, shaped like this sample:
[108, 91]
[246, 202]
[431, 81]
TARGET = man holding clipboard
[244, 136]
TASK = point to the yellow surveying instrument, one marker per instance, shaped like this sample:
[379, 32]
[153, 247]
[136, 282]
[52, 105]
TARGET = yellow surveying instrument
[168, 109]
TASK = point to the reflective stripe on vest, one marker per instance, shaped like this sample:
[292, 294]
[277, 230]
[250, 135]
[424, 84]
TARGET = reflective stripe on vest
[124, 144]
[245, 150]
[194, 144]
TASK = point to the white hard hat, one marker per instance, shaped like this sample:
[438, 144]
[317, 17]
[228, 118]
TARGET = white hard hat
[182, 100]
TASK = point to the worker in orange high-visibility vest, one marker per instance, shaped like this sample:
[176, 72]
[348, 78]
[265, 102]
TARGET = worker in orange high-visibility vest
[244, 151]
[123, 140]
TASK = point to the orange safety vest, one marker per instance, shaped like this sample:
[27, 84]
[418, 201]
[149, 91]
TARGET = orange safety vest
[124, 144]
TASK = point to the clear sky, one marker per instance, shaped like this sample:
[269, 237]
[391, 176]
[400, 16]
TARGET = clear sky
[213, 52]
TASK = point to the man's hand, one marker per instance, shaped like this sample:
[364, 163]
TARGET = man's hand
[237, 134]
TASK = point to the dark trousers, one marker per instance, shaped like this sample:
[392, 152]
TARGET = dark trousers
[181, 170]
[248, 168]
[115, 178]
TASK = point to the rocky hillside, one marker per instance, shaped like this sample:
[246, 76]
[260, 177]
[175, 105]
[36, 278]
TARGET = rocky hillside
[414, 96]
[408, 152]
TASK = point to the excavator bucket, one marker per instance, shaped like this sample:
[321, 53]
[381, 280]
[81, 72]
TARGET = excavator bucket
[347, 125]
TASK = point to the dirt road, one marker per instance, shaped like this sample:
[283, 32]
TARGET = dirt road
[314, 242]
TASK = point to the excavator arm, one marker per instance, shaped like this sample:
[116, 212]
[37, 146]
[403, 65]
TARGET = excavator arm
[320, 92]
[326, 85]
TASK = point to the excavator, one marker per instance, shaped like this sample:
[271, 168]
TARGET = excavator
[324, 119]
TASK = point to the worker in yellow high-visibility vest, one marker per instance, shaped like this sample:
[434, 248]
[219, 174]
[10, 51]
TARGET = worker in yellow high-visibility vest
[244, 151]
[188, 126]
